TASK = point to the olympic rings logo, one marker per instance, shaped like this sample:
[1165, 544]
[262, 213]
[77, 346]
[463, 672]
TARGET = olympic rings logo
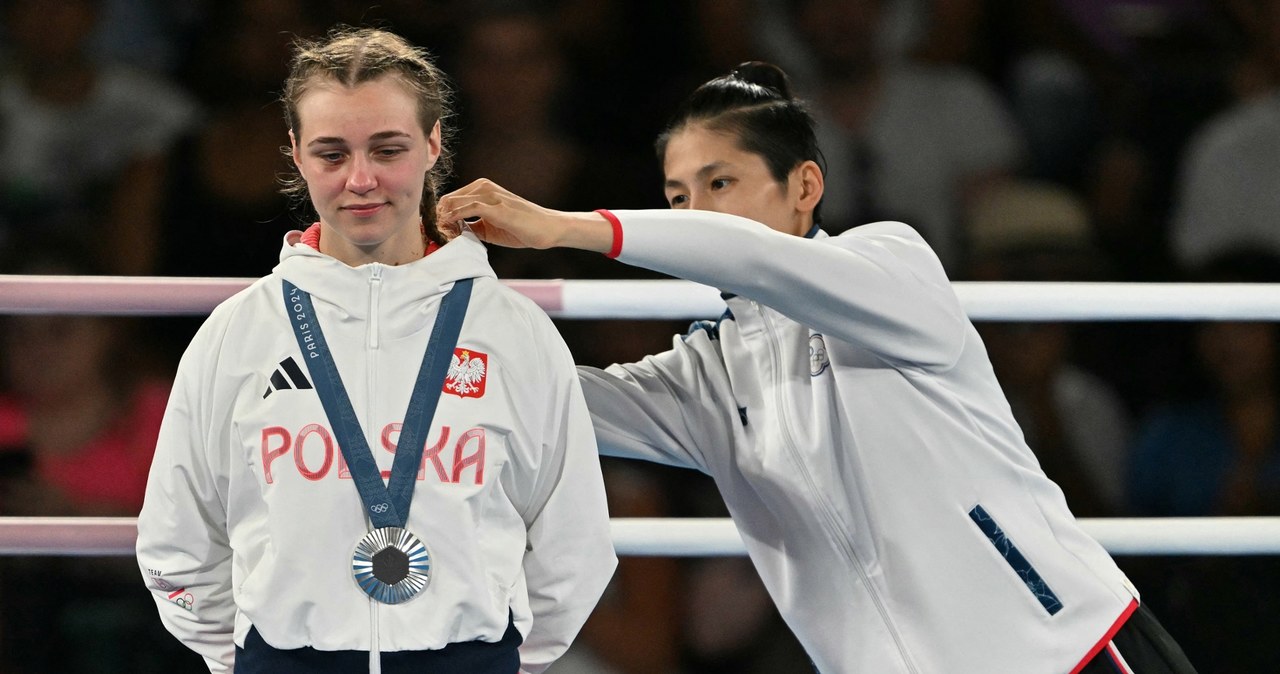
[380, 508]
[185, 601]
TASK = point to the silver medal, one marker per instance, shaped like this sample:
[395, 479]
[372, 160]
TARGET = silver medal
[391, 565]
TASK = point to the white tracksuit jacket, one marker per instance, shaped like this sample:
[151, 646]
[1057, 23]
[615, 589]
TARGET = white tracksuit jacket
[847, 410]
[251, 516]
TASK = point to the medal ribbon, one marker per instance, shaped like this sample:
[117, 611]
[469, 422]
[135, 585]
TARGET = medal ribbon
[387, 505]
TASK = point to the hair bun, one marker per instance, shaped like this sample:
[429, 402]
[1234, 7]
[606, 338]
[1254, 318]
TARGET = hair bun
[766, 75]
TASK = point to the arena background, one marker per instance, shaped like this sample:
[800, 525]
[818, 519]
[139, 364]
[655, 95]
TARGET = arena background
[1041, 140]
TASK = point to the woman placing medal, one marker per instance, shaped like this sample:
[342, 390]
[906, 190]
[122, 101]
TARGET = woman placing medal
[846, 409]
[377, 457]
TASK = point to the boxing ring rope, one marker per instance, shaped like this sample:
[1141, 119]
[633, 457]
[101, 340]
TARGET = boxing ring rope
[702, 537]
[588, 299]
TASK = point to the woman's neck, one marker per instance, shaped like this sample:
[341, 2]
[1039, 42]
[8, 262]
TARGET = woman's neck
[390, 253]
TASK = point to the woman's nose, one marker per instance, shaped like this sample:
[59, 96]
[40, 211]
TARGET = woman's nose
[362, 178]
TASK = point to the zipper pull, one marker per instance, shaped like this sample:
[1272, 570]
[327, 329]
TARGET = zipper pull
[375, 286]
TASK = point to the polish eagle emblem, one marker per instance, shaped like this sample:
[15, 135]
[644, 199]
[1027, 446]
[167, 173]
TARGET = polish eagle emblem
[467, 370]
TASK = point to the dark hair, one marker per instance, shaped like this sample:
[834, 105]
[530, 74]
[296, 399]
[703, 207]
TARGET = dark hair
[753, 103]
[351, 56]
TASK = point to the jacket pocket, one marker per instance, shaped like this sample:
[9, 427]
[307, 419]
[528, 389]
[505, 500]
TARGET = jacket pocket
[1020, 565]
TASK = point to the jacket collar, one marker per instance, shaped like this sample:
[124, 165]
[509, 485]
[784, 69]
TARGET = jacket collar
[402, 287]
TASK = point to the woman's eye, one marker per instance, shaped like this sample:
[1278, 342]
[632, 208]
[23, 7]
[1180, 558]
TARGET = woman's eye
[678, 199]
[330, 157]
[719, 183]
[389, 151]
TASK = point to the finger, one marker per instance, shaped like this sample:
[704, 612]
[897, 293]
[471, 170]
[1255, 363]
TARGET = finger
[473, 193]
[467, 210]
[478, 187]
[467, 192]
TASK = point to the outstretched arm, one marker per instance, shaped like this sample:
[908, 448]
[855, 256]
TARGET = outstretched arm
[879, 286]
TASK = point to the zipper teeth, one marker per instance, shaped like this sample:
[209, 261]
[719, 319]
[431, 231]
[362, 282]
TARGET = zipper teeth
[828, 517]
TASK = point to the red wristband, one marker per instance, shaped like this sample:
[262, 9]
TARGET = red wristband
[616, 249]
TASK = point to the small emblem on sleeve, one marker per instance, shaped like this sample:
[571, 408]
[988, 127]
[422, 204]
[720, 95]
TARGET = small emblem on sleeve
[467, 373]
[818, 362]
[182, 598]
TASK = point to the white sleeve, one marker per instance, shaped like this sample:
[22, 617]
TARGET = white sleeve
[878, 286]
[569, 558]
[662, 409]
[183, 548]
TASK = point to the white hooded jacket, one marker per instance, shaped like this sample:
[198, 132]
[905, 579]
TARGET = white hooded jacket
[848, 412]
[251, 517]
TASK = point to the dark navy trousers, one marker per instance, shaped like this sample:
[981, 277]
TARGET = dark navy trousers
[471, 657]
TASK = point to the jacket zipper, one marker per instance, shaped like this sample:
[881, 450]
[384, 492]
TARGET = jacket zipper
[375, 292]
[829, 518]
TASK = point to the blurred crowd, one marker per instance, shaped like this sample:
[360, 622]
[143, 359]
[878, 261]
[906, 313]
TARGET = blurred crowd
[1028, 140]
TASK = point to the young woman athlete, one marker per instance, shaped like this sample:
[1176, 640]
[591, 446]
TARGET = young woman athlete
[377, 458]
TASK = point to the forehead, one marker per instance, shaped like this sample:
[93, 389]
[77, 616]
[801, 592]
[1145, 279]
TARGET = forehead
[330, 109]
[696, 146]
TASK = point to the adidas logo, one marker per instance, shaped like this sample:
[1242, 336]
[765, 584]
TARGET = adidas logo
[287, 375]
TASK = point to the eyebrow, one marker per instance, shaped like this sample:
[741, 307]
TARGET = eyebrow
[699, 176]
[381, 135]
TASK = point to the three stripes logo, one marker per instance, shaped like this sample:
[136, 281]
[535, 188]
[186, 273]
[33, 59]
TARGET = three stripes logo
[287, 375]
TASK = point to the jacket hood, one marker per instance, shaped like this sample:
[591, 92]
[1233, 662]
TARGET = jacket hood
[403, 287]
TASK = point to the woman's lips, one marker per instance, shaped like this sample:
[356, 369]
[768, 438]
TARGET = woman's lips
[364, 210]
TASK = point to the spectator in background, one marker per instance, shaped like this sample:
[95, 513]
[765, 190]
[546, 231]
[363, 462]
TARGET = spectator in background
[1076, 424]
[1105, 92]
[903, 141]
[514, 87]
[1227, 197]
[148, 35]
[79, 403]
[1216, 452]
[513, 82]
[79, 417]
[511, 75]
[83, 146]
[224, 175]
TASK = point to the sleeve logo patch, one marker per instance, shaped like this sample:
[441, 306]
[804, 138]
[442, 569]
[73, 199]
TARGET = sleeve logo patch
[818, 360]
[467, 373]
[182, 598]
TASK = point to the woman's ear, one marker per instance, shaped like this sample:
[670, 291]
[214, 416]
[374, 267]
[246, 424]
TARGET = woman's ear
[812, 185]
[293, 150]
[434, 145]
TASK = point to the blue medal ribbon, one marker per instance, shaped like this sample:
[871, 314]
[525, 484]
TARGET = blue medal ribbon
[386, 504]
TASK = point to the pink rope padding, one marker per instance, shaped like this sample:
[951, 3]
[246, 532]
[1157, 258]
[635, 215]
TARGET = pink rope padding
[547, 294]
[162, 296]
[114, 295]
[68, 536]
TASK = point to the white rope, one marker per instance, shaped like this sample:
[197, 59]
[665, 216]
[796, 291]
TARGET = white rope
[988, 301]
[672, 537]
